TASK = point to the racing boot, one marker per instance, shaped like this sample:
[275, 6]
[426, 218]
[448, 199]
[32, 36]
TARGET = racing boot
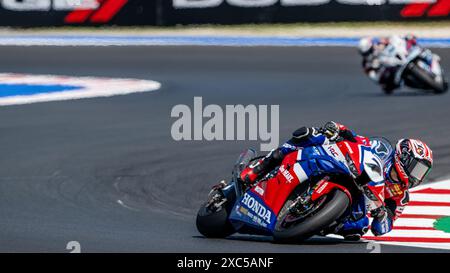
[249, 176]
[256, 171]
[356, 224]
[354, 230]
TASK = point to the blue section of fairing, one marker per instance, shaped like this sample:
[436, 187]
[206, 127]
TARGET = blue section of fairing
[306, 168]
[310, 141]
[318, 162]
[315, 161]
[241, 211]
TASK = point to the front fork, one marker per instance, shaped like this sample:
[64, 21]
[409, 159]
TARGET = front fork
[221, 194]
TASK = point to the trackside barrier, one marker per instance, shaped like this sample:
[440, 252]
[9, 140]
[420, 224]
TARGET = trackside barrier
[29, 13]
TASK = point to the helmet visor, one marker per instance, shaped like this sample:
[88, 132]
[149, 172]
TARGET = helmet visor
[417, 171]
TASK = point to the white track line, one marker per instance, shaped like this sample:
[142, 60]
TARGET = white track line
[418, 222]
[430, 197]
[428, 210]
[91, 87]
[443, 184]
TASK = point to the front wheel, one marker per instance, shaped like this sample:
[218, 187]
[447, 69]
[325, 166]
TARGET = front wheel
[212, 217]
[329, 209]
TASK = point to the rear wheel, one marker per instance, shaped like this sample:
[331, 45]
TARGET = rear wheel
[426, 78]
[327, 210]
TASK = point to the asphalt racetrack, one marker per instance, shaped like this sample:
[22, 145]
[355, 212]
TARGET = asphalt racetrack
[106, 172]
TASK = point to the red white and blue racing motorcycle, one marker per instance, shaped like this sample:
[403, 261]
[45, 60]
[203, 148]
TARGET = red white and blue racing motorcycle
[289, 206]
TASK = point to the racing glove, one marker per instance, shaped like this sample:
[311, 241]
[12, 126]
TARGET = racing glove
[337, 132]
[331, 130]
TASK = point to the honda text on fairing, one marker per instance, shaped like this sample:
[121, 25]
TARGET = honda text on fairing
[395, 61]
[290, 205]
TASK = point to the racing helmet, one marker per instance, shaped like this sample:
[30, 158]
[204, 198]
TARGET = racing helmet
[411, 38]
[365, 46]
[413, 161]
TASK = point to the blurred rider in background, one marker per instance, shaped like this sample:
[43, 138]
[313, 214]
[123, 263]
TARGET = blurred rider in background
[381, 69]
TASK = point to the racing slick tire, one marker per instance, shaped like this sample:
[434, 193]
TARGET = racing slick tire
[334, 207]
[423, 76]
[214, 224]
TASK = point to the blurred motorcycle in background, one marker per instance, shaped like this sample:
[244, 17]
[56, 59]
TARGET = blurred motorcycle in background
[408, 65]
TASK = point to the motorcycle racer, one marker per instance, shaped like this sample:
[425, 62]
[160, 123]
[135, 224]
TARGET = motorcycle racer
[379, 68]
[404, 168]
